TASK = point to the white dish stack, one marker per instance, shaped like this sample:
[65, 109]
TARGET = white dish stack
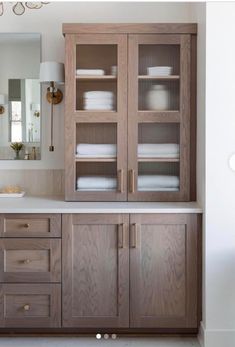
[159, 70]
[98, 100]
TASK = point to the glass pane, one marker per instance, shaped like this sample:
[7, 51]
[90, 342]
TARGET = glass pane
[16, 110]
[158, 156]
[16, 132]
[96, 77]
[159, 75]
[96, 156]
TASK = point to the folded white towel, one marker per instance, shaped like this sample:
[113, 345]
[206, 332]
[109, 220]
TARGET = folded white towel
[93, 102]
[98, 107]
[157, 181]
[96, 149]
[97, 94]
[96, 182]
[91, 72]
[158, 150]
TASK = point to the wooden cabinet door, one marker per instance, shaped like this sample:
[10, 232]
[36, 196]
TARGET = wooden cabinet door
[92, 125]
[95, 270]
[170, 124]
[164, 271]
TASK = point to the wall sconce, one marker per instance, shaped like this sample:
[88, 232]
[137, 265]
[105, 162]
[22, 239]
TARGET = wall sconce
[3, 101]
[52, 73]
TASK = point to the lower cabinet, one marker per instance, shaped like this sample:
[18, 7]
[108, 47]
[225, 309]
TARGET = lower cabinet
[159, 288]
[95, 270]
[30, 305]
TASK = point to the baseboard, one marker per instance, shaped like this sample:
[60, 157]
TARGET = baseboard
[216, 338]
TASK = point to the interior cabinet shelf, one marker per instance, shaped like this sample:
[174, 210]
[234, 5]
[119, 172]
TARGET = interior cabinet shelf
[158, 160]
[94, 160]
[167, 78]
[96, 78]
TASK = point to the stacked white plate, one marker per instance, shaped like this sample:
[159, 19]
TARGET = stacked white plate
[159, 70]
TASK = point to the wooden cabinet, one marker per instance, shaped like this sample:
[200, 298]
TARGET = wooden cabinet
[95, 271]
[30, 305]
[130, 130]
[30, 260]
[164, 273]
[30, 270]
[30, 225]
[164, 277]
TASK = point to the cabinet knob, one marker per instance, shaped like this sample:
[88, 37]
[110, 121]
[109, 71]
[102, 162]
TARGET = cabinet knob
[27, 261]
[26, 225]
[26, 307]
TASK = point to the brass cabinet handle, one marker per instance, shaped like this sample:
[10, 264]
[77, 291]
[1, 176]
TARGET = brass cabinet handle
[132, 181]
[135, 228]
[26, 225]
[26, 307]
[120, 175]
[121, 235]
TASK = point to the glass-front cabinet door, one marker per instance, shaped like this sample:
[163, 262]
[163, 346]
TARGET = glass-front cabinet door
[159, 117]
[96, 95]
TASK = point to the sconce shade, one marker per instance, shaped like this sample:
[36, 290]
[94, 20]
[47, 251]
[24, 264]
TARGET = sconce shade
[51, 71]
[3, 99]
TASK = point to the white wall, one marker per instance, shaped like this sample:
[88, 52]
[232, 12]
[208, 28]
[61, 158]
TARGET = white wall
[220, 180]
[48, 21]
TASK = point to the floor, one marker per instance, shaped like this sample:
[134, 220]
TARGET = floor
[92, 342]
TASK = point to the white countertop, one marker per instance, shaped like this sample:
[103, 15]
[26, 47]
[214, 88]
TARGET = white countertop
[30, 204]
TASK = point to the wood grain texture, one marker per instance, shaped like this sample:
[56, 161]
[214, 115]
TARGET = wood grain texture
[149, 121]
[30, 225]
[95, 271]
[30, 305]
[130, 28]
[75, 119]
[30, 260]
[163, 269]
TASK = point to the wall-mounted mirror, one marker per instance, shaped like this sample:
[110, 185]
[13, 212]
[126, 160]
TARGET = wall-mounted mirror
[20, 97]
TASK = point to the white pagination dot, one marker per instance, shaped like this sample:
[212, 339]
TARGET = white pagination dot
[114, 336]
[98, 336]
[106, 336]
[232, 162]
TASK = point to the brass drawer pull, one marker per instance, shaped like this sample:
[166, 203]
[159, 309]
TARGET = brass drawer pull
[132, 181]
[26, 226]
[120, 180]
[26, 307]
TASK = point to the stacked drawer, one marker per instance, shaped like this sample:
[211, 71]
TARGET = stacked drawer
[30, 270]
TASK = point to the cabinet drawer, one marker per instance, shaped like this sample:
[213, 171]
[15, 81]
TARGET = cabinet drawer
[34, 305]
[30, 260]
[28, 225]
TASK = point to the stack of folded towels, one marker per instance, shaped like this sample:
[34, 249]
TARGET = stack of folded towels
[90, 72]
[148, 150]
[166, 183]
[94, 150]
[98, 100]
[158, 150]
[96, 183]
[145, 183]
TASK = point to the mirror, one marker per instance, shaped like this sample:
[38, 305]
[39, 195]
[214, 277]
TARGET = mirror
[20, 96]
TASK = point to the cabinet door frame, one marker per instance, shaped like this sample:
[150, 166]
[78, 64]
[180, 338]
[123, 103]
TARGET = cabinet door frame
[192, 268]
[122, 318]
[182, 117]
[73, 116]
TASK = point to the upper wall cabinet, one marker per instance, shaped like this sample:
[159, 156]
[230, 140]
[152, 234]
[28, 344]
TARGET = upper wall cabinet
[130, 112]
